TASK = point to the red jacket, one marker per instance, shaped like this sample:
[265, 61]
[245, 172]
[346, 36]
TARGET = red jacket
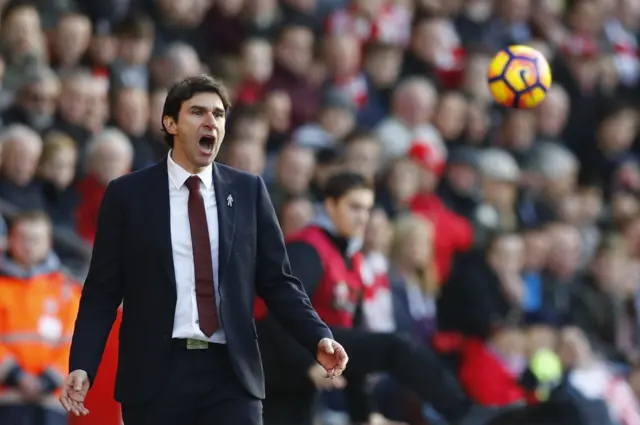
[336, 296]
[91, 192]
[453, 233]
[485, 379]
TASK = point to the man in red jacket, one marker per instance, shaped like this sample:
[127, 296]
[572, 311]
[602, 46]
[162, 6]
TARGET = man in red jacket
[326, 257]
[454, 233]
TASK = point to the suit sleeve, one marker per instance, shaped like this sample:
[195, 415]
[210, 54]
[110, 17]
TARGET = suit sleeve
[102, 292]
[275, 284]
[307, 266]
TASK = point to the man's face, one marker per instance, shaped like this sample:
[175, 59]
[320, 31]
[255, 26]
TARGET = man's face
[247, 156]
[60, 168]
[295, 215]
[199, 130]
[111, 161]
[415, 104]
[132, 111]
[72, 38]
[337, 122]
[551, 117]
[30, 242]
[363, 157]
[74, 101]
[135, 52]
[21, 161]
[257, 61]
[383, 66]
[295, 50]
[22, 31]
[343, 56]
[507, 254]
[450, 116]
[350, 213]
[39, 101]
[295, 170]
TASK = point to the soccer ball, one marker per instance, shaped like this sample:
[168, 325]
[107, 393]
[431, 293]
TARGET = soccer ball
[519, 77]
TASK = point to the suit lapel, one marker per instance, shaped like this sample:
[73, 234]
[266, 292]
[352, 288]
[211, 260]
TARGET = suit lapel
[160, 208]
[226, 206]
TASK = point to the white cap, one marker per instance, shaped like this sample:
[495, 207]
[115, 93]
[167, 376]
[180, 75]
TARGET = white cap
[497, 164]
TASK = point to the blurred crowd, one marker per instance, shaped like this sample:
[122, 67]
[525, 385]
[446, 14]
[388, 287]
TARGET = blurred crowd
[515, 233]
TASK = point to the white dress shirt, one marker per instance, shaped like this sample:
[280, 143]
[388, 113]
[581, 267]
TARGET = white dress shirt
[186, 315]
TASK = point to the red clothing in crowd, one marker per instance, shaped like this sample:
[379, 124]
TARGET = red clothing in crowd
[337, 294]
[392, 25]
[485, 378]
[91, 192]
[453, 233]
[250, 93]
[104, 410]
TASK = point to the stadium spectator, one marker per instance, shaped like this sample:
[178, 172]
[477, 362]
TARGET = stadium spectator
[57, 172]
[22, 148]
[109, 156]
[39, 304]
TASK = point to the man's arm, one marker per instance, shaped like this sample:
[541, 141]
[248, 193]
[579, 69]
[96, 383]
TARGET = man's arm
[102, 292]
[282, 292]
[306, 265]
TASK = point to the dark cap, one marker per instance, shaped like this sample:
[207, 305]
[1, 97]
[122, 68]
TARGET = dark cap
[464, 155]
[339, 100]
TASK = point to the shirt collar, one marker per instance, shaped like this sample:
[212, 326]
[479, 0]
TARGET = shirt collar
[179, 175]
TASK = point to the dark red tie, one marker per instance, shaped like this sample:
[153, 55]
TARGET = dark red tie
[205, 291]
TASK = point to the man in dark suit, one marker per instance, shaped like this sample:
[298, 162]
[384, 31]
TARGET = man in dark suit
[186, 245]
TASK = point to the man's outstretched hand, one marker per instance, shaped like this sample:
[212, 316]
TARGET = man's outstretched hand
[332, 357]
[74, 391]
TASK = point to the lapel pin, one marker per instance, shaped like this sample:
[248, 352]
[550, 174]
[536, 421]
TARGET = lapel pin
[229, 201]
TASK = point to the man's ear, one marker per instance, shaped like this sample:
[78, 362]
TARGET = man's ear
[170, 125]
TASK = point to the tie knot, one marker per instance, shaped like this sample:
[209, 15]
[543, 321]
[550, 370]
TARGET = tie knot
[193, 183]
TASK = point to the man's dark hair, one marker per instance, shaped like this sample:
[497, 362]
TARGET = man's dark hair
[358, 135]
[339, 184]
[185, 90]
[240, 116]
[136, 27]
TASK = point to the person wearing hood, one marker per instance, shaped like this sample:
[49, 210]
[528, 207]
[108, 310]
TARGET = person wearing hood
[38, 307]
[326, 257]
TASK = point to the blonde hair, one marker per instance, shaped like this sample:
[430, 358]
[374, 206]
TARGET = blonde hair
[55, 142]
[408, 226]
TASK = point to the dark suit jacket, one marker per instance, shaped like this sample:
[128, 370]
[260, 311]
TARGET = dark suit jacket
[132, 263]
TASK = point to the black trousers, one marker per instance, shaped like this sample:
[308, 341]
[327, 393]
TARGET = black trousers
[413, 365]
[201, 389]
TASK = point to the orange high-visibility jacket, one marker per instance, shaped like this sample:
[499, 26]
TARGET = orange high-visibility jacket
[37, 317]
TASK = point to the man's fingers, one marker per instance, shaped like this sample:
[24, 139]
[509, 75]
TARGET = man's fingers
[327, 346]
[76, 383]
[78, 409]
[343, 359]
[77, 397]
[72, 406]
[65, 403]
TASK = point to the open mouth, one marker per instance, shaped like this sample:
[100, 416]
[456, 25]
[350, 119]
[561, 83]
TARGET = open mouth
[207, 144]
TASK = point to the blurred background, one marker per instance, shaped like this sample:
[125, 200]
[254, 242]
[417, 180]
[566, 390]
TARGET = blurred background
[525, 229]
